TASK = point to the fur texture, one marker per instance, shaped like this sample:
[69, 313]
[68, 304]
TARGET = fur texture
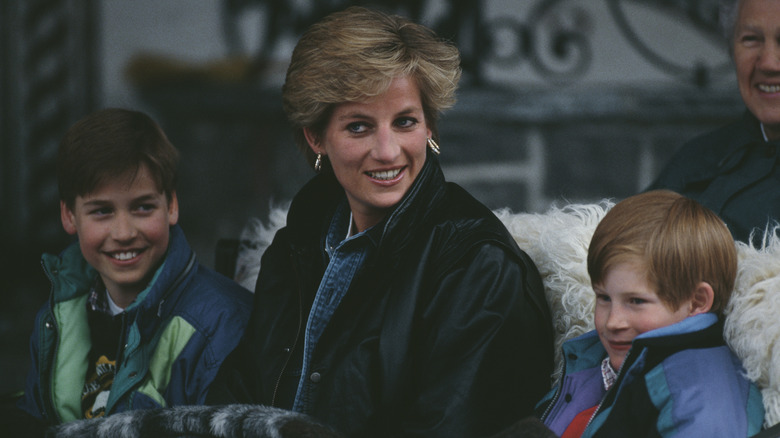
[752, 319]
[255, 238]
[229, 421]
[557, 241]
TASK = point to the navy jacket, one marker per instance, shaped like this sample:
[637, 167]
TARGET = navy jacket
[176, 335]
[677, 381]
[733, 172]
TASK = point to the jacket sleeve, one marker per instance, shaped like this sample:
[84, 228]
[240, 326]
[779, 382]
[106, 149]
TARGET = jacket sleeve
[222, 319]
[486, 349]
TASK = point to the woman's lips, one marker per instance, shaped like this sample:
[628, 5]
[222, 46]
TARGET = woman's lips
[387, 177]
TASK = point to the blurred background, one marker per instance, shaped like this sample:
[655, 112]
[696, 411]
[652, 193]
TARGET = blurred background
[561, 101]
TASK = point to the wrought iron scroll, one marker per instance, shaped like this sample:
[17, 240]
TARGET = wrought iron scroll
[554, 37]
[701, 14]
[553, 40]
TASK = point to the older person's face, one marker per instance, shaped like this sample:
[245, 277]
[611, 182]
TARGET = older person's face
[376, 149]
[757, 58]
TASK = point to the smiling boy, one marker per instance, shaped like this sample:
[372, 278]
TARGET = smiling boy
[133, 320]
[663, 268]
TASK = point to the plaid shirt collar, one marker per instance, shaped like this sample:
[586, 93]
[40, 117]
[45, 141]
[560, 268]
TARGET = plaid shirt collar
[98, 297]
[608, 374]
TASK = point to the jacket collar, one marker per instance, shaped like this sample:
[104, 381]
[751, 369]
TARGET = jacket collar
[158, 301]
[692, 332]
[313, 207]
[416, 206]
[73, 277]
[733, 151]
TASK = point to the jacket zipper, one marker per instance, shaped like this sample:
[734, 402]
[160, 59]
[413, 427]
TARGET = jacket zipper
[48, 403]
[614, 387]
[120, 354]
[297, 333]
[557, 394]
[121, 348]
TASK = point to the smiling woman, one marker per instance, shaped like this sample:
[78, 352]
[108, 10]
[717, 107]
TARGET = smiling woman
[376, 149]
[393, 302]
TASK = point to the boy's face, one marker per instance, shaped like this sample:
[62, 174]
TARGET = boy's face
[627, 306]
[123, 231]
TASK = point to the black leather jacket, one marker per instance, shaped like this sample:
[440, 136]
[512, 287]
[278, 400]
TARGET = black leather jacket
[445, 332]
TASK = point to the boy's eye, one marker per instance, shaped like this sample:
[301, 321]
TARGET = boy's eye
[603, 297]
[146, 207]
[637, 300]
[102, 211]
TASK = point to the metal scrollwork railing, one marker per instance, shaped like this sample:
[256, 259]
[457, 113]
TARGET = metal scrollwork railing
[701, 14]
[554, 37]
[554, 41]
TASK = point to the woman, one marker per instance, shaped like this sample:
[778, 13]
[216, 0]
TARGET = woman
[392, 303]
[734, 170]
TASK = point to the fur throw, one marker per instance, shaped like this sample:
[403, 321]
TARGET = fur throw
[557, 241]
[255, 238]
[229, 421]
[752, 327]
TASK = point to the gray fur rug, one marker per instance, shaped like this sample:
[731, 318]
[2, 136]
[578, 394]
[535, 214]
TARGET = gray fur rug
[229, 421]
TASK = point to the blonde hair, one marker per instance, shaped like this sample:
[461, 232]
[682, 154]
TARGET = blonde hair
[354, 54]
[676, 241]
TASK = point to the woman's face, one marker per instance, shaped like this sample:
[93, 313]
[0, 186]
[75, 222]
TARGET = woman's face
[757, 58]
[376, 149]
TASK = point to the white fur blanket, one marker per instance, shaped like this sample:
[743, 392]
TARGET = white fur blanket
[753, 319]
[557, 241]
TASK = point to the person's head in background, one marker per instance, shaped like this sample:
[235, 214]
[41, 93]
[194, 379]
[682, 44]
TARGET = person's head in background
[363, 93]
[752, 29]
[655, 259]
[116, 174]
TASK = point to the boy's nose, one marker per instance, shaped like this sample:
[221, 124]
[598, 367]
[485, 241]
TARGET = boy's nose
[616, 320]
[123, 228]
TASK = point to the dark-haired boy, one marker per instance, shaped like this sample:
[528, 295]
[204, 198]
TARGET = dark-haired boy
[133, 320]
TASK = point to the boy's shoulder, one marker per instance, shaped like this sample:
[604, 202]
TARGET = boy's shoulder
[210, 285]
[185, 287]
[694, 354]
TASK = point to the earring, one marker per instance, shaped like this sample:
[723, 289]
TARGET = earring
[434, 147]
[318, 163]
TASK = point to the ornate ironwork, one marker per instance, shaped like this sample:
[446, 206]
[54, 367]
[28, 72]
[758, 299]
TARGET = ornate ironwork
[701, 14]
[553, 40]
[554, 37]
